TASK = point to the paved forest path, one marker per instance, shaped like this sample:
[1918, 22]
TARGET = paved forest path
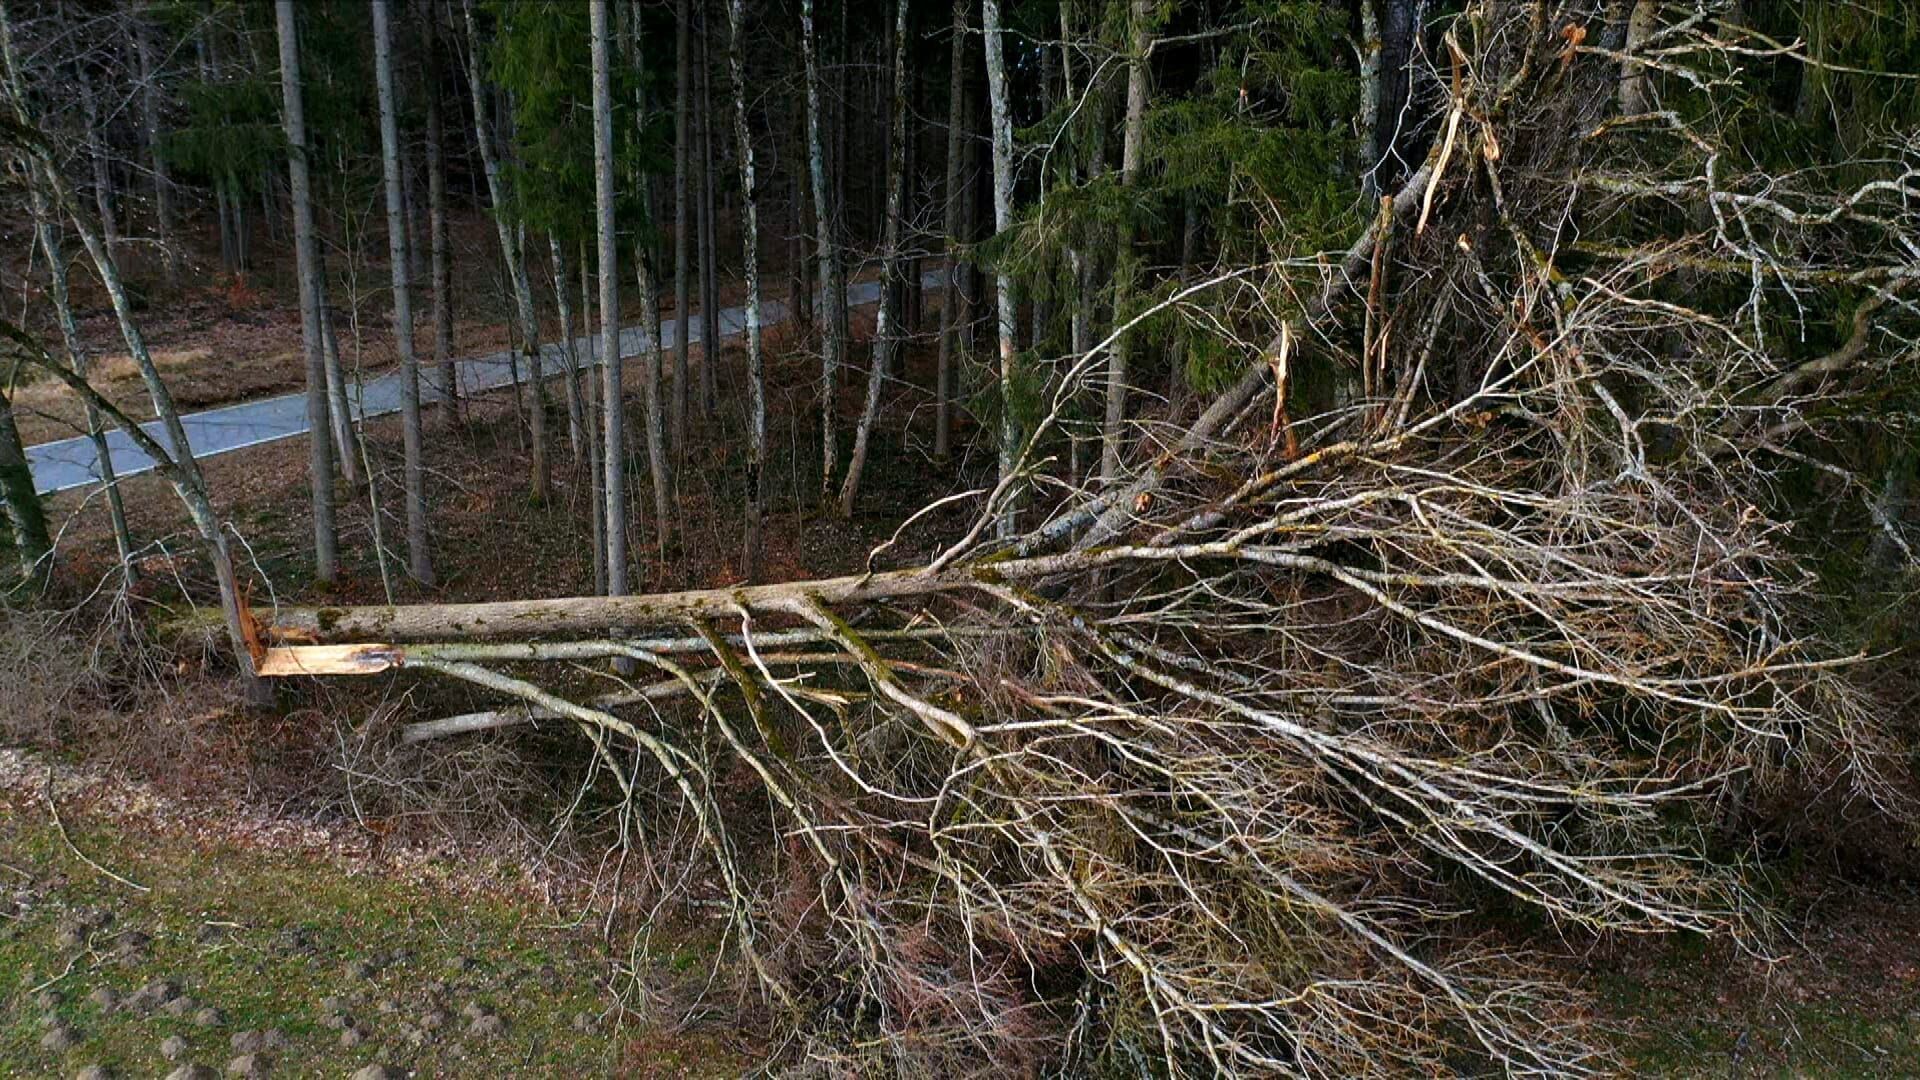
[71, 463]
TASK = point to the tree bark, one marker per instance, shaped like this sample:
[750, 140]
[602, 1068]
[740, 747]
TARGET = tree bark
[229, 261]
[46, 231]
[954, 197]
[346, 449]
[307, 262]
[419, 554]
[682, 153]
[1396, 125]
[833, 344]
[1370, 50]
[577, 429]
[511, 251]
[1126, 262]
[1636, 89]
[440, 266]
[1007, 313]
[596, 457]
[30, 540]
[103, 195]
[660, 465]
[150, 133]
[887, 337]
[181, 468]
[750, 244]
[710, 241]
[614, 453]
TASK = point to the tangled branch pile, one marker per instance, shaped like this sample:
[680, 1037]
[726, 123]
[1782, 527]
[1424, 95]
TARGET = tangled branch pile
[1195, 777]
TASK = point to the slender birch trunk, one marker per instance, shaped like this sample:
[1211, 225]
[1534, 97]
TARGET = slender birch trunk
[614, 452]
[229, 259]
[1126, 263]
[1002, 128]
[682, 288]
[46, 232]
[419, 555]
[950, 295]
[710, 239]
[1080, 320]
[440, 267]
[659, 463]
[181, 468]
[833, 344]
[569, 357]
[887, 337]
[596, 457]
[512, 251]
[242, 233]
[103, 200]
[150, 134]
[346, 449]
[307, 261]
[750, 244]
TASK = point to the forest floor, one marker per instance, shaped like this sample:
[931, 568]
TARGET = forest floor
[143, 936]
[1838, 995]
[140, 933]
[289, 883]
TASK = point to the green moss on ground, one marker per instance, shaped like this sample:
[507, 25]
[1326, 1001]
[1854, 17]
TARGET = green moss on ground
[1842, 1001]
[268, 938]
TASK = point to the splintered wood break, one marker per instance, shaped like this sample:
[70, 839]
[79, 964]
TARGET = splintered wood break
[290, 661]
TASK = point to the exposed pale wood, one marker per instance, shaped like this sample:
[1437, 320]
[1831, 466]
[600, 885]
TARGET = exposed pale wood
[297, 660]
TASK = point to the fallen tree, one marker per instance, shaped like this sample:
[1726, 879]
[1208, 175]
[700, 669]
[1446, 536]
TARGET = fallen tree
[1198, 775]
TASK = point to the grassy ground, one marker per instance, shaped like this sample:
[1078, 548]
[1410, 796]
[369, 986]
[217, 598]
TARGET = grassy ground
[282, 942]
[1839, 996]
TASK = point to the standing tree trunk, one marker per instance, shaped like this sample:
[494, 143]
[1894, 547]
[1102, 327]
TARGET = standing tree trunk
[47, 233]
[596, 452]
[1396, 123]
[614, 453]
[102, 168]
[1370, 55]
[419, 557]
[229, 255]
[660, 466]
[340, 409]
[750, 245]
[30, 540]
[511, 251]
[682, 151]
[710, 241]
[181, 468]
[658, 461]
[1636, 89]
[440, 268]
[1007, 313]
[326, 555]
[596, 468]
[1126, 263]
[950, 294]
[833, 344]
[577, 429]
[150, 133]
[242, 233]
[886, 328]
